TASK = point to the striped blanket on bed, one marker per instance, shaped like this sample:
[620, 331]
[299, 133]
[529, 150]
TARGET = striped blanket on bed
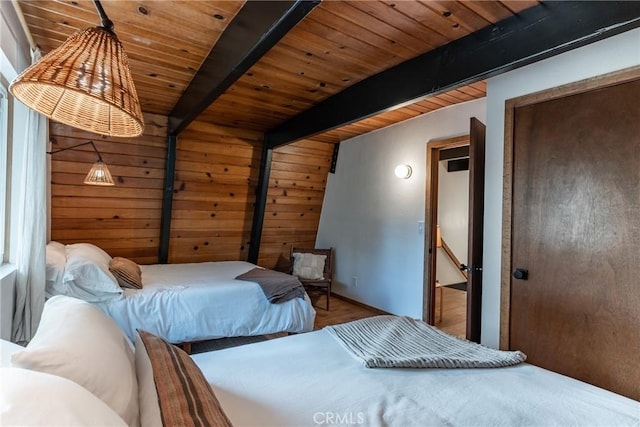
[402, 342]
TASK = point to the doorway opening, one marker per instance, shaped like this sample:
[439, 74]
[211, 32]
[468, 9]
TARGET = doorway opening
[449, 204]
[453, 233]
[452, 237]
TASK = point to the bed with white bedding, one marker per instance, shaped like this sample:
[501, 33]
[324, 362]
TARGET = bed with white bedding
[310, 379]
[181, 303]
[301, 380]
[193, 302]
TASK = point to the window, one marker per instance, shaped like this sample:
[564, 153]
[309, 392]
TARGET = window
[4, 125]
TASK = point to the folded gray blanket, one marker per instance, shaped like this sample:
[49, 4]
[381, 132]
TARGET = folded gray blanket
[277, 287]
[402, 342]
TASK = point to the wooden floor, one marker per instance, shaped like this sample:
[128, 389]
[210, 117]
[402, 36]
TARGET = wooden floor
[454, 312]
[341, 311]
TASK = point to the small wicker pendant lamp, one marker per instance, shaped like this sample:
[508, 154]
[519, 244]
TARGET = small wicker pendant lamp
[85, 83]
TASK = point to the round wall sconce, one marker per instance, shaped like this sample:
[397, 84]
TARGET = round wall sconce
[403, 171]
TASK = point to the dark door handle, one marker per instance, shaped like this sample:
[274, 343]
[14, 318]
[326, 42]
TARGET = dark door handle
[521, 274]
[470, 268]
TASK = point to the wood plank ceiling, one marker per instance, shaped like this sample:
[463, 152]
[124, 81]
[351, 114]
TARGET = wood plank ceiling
[337, 45]
[166, 41]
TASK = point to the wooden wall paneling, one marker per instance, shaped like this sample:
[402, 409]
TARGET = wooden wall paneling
[334, 47]
[214, 193]
[294, 200]
[124, 219]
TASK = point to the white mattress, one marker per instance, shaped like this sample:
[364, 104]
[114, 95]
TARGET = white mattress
[192, 302]
[309, 379]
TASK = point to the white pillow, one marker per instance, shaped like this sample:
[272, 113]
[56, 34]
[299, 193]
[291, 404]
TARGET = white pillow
[7, 348]
[87, 274]
[56, 259]
[30, 398]
[77, 341]
[308, 266]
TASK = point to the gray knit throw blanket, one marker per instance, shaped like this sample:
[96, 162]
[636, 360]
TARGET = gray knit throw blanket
[402, 342]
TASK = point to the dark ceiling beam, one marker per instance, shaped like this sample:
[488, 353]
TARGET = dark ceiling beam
[257, 27]
[537, 33]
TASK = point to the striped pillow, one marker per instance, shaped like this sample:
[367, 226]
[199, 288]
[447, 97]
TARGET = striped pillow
[185, 396]
[127, 272]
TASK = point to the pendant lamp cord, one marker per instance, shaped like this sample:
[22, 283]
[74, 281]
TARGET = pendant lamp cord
[53, 141]
[107, 24]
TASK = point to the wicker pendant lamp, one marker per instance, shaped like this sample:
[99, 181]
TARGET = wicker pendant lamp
[85, 83]
[99, 173]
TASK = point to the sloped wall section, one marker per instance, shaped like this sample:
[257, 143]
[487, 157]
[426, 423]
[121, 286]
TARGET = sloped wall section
[294, 201]
[214, 193]
[217, 171]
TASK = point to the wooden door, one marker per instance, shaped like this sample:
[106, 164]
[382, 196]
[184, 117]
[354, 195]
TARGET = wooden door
[576, 232]
[476, 215]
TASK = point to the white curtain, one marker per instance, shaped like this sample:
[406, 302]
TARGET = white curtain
[32, 207]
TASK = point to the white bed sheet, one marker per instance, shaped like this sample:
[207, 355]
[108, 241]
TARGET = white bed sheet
[309, 379]
[198, 301]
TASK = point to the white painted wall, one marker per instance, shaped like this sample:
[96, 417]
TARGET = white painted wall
[453, 218]
[371, 217]
[615, 53]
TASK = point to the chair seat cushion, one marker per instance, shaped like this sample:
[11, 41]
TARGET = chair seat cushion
[320, 283]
